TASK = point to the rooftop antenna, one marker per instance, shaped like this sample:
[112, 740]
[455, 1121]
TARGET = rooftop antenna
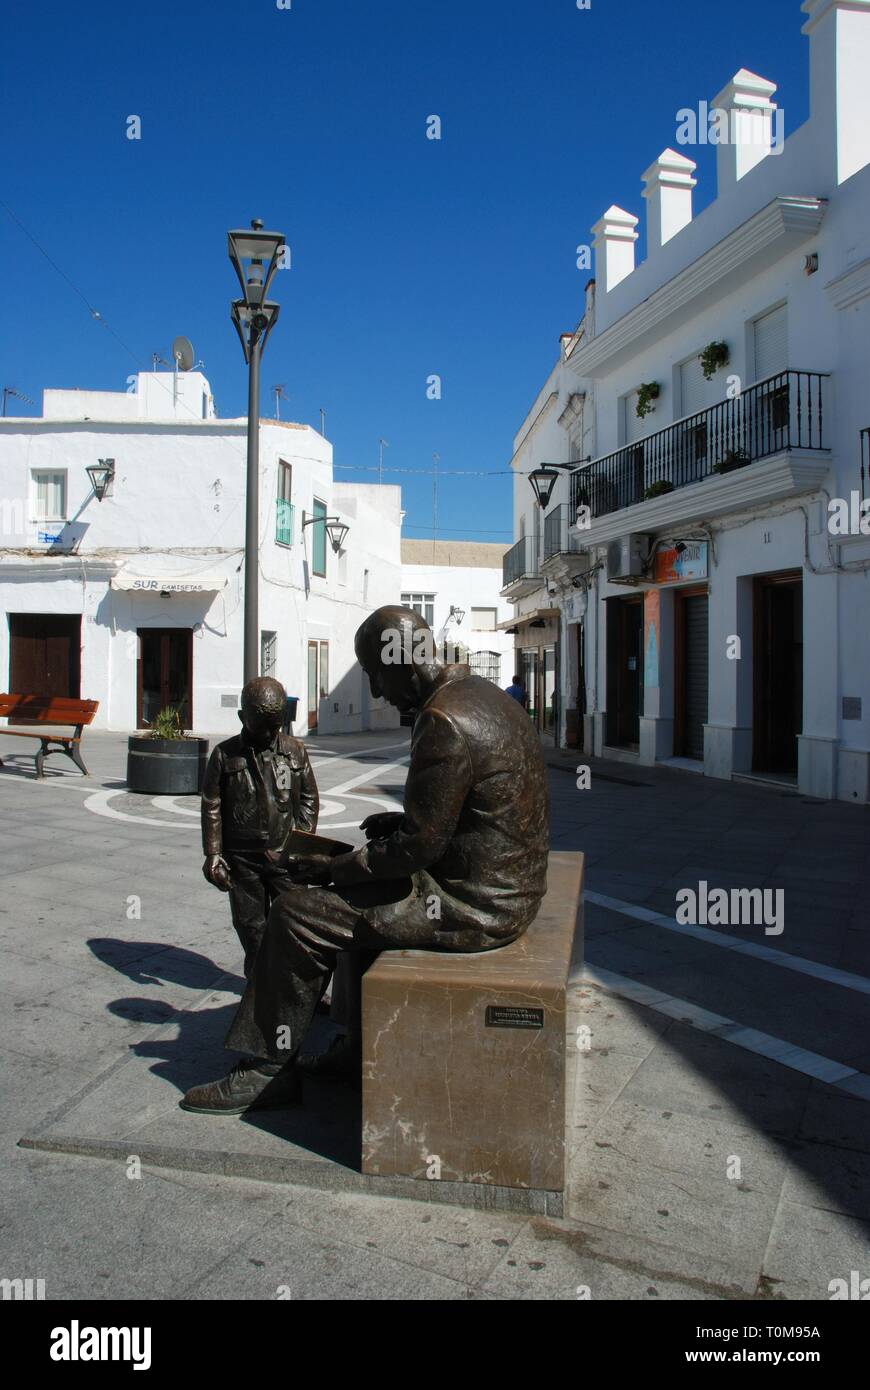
[280, 393]
[183, 356]
[384, 444]
[323, 422]
[158, 361]
[435, 459]
[18, 395]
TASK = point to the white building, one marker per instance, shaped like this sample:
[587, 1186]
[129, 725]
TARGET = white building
[714, 603]
[137, 600]
[455, 586]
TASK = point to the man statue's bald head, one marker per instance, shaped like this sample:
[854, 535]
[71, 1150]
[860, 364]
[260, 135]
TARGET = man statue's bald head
[396, 649]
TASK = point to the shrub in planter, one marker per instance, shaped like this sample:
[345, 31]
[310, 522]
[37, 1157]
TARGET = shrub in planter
[714, 356]
[734, 458]
[658, 489]
[166, 761]
[647, 394]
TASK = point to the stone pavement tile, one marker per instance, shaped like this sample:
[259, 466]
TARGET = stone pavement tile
[810, 1247]
[696, 1073]
[34, 1086]
[563, 1259]
[806, 1012]
[49, 1030]
[683, 1209]
[615, 1025]
[284, 1257]
[631, 888]
[830, 1179]
[598, 1082]
[693, 1146]
[452, 1242]
[831, 1117]
[855, 950]
[94, 1233]
[607, 921]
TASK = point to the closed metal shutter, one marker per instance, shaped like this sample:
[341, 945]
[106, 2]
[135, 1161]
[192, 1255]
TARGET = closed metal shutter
[696, 673]
[696, 393]
[771, 343]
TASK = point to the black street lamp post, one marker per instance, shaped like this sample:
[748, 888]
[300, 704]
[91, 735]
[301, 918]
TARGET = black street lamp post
[254, 255]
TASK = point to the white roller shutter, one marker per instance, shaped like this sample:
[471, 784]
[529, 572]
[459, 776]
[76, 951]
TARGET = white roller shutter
[771, 343]
[695, 391]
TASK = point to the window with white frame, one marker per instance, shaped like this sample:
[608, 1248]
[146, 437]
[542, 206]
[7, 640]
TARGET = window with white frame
[484, 619]
[49, 495]
[486, 664]
[424, 604]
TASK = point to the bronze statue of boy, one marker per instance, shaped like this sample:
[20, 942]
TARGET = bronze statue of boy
[258, 788]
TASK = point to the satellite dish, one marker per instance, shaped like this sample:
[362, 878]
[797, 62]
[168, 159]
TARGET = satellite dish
[182, 353]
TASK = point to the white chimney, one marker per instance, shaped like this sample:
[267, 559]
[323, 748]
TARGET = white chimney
[614, 246]
[747, 138]
[839, 34]
[668, 192]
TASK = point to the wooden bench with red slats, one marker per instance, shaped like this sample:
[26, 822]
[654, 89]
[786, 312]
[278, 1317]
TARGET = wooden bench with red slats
[48, 709]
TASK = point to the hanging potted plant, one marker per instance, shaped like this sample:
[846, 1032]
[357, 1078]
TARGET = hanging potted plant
[658, 489]
[714, 356]
[166, 761]
[647, 395]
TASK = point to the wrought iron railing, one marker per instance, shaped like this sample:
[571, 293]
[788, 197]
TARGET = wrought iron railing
[521, 561]
[283, 522]
[558, 537]
[865, 464]
[783, 412]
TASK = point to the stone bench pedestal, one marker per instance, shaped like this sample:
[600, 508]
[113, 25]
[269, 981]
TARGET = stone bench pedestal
[465, 1057]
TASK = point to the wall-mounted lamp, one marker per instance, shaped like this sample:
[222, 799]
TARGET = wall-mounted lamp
[102, 475]
[336, 529]
[543, 479]
[458, 614]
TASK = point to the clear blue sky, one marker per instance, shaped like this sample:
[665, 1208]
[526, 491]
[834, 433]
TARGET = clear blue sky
[410, 256]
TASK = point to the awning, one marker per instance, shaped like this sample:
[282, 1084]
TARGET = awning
[204, 582]
[522, 619]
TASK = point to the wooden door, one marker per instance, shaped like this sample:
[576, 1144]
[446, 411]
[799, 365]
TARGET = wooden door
[691, 665]
[45, 651]
[777, 672]
[164, 673]
[624, 671]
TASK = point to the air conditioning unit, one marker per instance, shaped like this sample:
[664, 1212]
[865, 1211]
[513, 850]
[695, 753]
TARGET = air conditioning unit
[626, 557]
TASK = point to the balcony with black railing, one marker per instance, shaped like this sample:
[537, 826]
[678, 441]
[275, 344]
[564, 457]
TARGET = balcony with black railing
[784, 412]
[558, 536]
[520, 564]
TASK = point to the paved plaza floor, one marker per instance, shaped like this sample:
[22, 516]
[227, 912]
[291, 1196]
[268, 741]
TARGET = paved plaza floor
[721, 1121]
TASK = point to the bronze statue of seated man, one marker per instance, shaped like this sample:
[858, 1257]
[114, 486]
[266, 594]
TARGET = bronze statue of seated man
[461, 868]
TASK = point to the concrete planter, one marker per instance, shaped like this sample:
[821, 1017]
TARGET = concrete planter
[166, 766]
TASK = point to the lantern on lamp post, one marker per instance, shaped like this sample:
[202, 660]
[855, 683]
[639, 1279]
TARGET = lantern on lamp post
[255, 255]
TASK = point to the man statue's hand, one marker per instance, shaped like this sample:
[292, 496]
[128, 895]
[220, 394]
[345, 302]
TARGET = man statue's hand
[314, 870]
[379, 826]
[217, 871]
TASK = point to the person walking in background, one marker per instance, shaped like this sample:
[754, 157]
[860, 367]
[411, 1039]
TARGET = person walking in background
[517, 691]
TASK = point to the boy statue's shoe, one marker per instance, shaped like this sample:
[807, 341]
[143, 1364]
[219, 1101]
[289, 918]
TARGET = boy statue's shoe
[246, 1088]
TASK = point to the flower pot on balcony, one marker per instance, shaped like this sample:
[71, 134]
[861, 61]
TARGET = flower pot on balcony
[734, 458]
[658, 489]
